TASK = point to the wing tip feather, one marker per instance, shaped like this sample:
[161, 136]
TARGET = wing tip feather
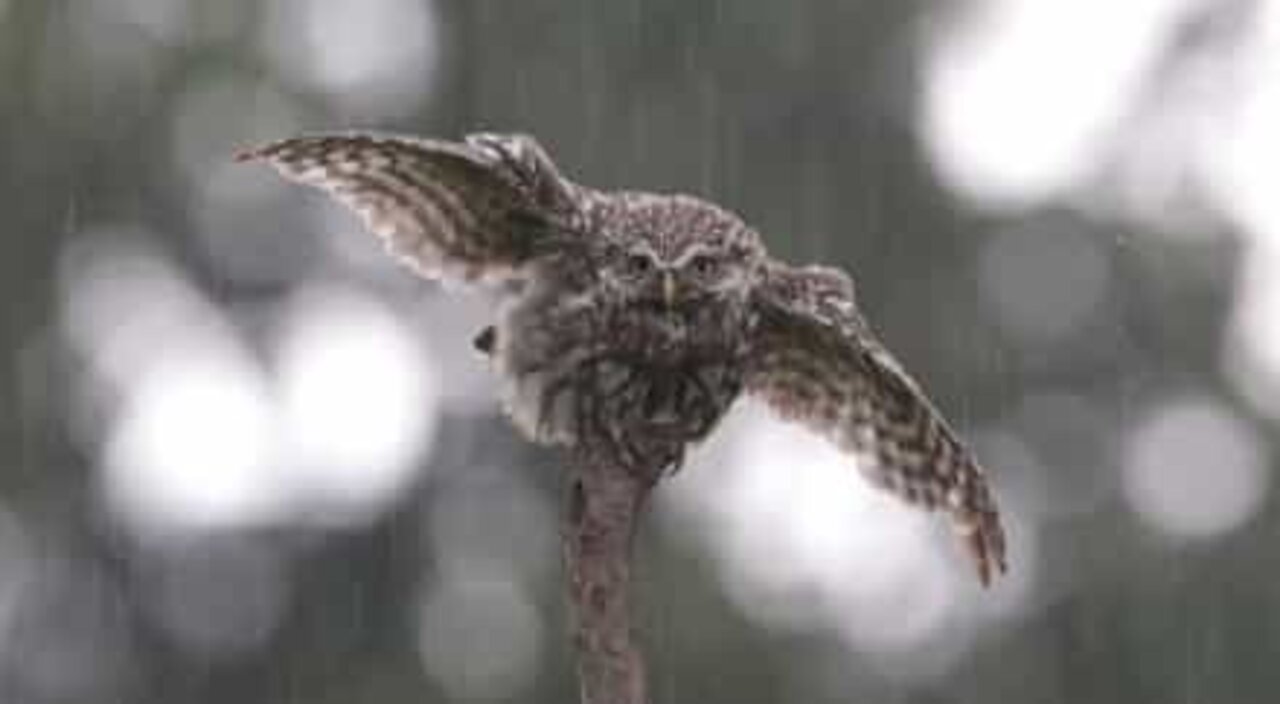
[985, 539]
[259, 152]
[246, 154]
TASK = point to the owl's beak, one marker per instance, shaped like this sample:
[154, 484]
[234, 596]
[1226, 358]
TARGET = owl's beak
[669, 289]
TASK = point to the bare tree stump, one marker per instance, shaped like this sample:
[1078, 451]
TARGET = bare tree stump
[604, 505]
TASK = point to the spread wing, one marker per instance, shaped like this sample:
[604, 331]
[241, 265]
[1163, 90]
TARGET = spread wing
[478, 209]
[816, 361]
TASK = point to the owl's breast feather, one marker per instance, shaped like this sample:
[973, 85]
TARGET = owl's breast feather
[653, 379]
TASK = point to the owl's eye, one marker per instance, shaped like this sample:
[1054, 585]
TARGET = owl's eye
[705, 266]
[639, 264]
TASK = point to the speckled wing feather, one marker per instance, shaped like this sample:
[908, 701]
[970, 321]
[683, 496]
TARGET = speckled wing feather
[472, 210]
[816, 361]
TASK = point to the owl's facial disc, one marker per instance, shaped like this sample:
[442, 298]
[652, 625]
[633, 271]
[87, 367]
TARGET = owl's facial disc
[694, 275]
[650, 278]
[674, 253]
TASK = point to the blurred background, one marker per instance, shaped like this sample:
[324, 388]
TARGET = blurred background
[245, 458]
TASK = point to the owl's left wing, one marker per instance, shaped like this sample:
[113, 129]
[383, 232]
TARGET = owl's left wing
[473, 210]
[816, 361]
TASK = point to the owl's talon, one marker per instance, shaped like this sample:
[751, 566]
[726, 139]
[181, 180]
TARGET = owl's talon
[485, 341]
[674, 468]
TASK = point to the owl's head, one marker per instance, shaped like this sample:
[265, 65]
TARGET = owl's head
[676, 251]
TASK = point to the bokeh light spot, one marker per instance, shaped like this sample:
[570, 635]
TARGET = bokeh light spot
[359, 398]
[808, 543]
[1042, 283]
[1193, 469]
[187, 438]
[479, 636]
[192, 446]
[374, 58]
[1015, 113]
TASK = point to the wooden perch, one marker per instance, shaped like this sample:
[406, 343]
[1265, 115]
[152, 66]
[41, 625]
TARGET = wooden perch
[605, 503]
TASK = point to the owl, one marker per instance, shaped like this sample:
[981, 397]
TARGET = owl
[629, 322]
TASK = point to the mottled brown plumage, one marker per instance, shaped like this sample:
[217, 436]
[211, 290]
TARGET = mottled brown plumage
[634, 320]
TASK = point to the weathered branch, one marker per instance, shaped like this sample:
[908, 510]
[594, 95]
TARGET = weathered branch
[604, 505]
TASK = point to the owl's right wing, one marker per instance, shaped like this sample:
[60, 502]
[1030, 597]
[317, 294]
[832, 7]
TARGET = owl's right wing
[474, 210]
[816, 361]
